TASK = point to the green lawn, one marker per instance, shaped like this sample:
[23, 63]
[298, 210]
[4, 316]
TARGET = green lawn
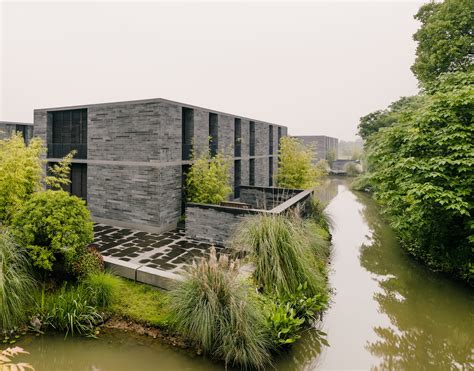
[142, 303]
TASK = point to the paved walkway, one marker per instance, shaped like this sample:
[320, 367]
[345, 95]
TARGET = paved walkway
[154, 253]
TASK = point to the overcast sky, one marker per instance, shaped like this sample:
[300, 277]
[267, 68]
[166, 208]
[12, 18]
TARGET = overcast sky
[315, 67]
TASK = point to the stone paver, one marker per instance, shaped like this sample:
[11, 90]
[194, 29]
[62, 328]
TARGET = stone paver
[169, 251]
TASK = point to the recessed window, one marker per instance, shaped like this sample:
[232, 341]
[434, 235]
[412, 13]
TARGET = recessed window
[213, 134]
[187, 127]
[237, 137]
[237, 178]
[252, 172]
[69, 132]
[252, 138]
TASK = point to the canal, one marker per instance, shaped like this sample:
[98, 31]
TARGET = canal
[387, 312]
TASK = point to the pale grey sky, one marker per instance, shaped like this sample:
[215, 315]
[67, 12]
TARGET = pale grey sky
[314, 66]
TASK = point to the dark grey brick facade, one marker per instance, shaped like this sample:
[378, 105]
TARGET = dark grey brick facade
[321, 143]
[135, 157]
[7, 128]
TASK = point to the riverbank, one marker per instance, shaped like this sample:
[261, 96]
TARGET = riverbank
[401, 314]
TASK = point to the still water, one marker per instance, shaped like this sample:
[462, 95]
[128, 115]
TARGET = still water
[387, 312]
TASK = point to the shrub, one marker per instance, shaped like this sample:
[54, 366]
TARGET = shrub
[21, 170]
[362, 183]
[422, 175]
[103, 288]
[86, 262]
[296, 169]
[70, 310]
[282, 253]
[16, 283]
[352, 169]
[208, 180]
[52, 224]
[215, 309]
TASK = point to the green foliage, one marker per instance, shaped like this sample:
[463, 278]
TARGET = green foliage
[282, 251]
[85, 262]
[444, 39]
[352, 169]
[296, 169]
[306, 307]
[142, 303]
[331, 156]
[16, 283]
[362, 183]
[285, 325]
[215, 309]
[104, 288]
[52, 224]
[315, 212]
[59, 177]
[208, 180]
[21, 170]
[373, 122]
[70, 310]
[423, 175]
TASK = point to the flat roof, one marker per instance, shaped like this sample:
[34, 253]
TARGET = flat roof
[16, 123]
[151, 100]
[313, 136]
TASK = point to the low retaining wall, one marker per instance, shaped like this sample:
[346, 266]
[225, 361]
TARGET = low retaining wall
[266, 198]
[217, 224]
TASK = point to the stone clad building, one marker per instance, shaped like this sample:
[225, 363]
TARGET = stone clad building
[323, 145]
[7, 128]
[132, 156]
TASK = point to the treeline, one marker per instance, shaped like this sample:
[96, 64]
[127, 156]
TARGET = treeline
[420, 149]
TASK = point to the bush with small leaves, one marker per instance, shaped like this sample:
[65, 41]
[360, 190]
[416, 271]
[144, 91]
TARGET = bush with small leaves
[53, 224]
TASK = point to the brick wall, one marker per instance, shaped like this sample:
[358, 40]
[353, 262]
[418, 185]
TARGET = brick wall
[134, 157]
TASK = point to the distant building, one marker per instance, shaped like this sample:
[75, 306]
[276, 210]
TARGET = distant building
[322, 144]
[132, 157]
[7, 128]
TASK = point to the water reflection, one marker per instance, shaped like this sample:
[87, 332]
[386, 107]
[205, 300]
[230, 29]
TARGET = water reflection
[327, 190]
[431, 317]
[305, 356]
[388, 312]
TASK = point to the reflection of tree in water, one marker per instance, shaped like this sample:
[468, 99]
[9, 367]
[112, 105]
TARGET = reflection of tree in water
[431, 316]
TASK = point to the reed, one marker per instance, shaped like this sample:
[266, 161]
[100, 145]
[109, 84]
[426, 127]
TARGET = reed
[16, 283]
[214, 308]
[282, 250]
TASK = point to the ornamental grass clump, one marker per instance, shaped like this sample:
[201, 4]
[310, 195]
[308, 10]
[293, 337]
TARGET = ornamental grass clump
[103, 288]
[71, 310]
[216, 309]
[16, 283]
[280, 248]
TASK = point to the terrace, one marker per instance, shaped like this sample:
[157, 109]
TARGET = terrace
[160, 259]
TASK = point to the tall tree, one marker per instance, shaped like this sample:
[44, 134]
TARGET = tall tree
[445, 39]
[423, 175]
[373, 122]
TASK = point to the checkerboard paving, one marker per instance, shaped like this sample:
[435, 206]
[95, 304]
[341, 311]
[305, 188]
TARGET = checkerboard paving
[169, 251]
